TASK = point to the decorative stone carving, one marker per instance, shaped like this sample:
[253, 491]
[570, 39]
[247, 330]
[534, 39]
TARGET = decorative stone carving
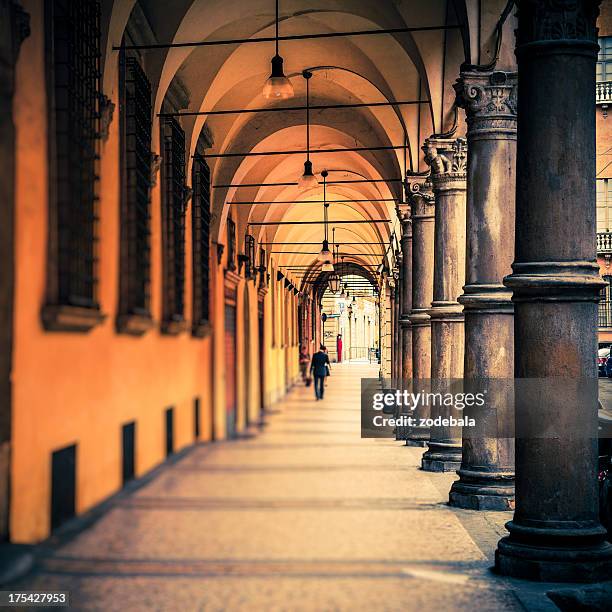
[446, 158]
[554, 20]
[107, 109]
[489, 100]
[403, 214]
[421, 198]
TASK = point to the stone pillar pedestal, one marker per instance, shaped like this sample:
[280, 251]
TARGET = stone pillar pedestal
[397, 334]
[405, 290]
[555, 534]
[406, 295]
[421, 199]
[487, 467]
[447, 159]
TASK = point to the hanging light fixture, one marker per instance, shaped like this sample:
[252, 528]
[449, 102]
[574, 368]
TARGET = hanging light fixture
[333, 281]
[325, 256]
[308, 180]
[278, 86]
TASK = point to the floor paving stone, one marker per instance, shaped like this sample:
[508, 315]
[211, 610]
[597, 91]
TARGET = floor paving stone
[304, 516]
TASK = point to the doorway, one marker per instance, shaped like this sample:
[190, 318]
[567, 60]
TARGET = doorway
[230, 365]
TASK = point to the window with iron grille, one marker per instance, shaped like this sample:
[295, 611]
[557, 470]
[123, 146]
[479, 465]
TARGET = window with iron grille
[200, 212]
[249, 256]
[262, 267]
[74, 94]
[174, 194]
[605, 301]
[231, 244]
[135, 259]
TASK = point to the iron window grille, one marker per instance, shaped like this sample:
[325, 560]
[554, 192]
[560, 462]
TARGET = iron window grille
[262, 267]
[231, 244]
[174, 201]
[249, 256]
[135, 251]
[604, 310]
[200, 215]
[74, 94]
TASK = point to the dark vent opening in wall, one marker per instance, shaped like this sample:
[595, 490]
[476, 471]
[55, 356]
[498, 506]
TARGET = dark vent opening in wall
[196, 418]
[169, 431]
[128, 449]
[63, 485]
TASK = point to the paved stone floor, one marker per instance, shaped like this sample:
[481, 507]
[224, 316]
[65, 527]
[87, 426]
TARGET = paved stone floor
[303, 516]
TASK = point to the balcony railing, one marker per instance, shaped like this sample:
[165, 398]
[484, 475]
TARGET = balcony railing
[603, 92]
[604, 242]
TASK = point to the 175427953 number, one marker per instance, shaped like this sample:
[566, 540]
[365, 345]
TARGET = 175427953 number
[34, 598]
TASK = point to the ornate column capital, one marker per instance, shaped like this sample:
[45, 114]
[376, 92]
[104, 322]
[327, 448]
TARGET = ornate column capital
[422, 199]
[489, 100]
[447, 159]
[558, 22]
[405, 219]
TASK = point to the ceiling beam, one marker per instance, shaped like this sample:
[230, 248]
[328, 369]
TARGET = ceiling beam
[270, 202]
[278, 109]
[333, 222]
[319, 242]
[267, 39]
[300, 152]
[341, 182]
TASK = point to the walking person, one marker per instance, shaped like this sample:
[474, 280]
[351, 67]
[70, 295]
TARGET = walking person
[319, 368]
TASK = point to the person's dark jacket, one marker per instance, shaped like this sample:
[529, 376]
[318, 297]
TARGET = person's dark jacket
[319, 363]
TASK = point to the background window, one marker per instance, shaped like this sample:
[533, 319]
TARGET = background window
[201, 244]
[604, 60]
[604, 205]
[135, 116]
[74, 129]
[174, 200]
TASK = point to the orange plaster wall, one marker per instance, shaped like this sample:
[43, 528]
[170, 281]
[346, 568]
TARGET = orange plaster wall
[604, 143]
[82, 387]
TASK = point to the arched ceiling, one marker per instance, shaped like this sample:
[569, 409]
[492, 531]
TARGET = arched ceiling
[411, 66]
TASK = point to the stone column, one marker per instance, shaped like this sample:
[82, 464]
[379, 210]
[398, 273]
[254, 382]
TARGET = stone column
[487, 464]
[406, 293]
[386, 316]
[391, 329]
[421, 199]
[397, 336]
[555, 534]
[447, 159]
[405, 290]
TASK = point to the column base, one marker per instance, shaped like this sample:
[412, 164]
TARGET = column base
[418, 436]
[418, 443]
[402, 432]
[441, 457]
[572, 554]
[482, 490]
